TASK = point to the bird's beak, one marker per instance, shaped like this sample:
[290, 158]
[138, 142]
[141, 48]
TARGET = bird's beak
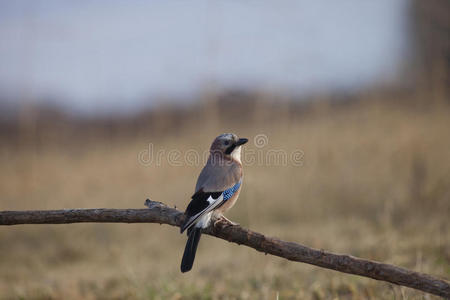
[241, 141]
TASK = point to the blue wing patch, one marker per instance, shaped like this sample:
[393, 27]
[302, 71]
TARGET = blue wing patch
[227, 194]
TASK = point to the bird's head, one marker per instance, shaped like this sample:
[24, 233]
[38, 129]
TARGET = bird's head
[228, 145]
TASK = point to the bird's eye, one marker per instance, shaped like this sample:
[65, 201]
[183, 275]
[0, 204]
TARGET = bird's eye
[227, 143]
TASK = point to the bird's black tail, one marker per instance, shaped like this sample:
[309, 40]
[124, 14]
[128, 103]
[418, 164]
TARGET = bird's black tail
[194, 234]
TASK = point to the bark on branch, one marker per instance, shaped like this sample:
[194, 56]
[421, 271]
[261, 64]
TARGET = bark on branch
[162, 214]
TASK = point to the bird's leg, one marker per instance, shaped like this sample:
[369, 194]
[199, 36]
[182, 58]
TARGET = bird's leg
[231, 223]
[215, 218]
[221, 218]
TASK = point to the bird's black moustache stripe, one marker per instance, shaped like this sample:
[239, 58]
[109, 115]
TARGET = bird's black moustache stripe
[230, 149]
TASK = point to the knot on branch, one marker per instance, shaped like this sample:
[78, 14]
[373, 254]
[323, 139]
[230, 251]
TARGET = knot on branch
[174, 217]
[154, 204]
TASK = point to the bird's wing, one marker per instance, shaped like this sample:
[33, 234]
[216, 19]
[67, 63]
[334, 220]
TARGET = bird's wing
[204, 202]
[201, 204]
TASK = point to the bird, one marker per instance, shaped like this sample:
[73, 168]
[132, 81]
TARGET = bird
[217, 189]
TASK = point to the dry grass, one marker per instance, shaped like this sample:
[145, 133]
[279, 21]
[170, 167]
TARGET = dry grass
[375, 183]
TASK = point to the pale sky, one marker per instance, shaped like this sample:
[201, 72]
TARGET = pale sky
[94, 55]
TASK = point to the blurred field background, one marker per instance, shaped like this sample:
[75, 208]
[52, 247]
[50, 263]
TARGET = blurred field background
[374, 182]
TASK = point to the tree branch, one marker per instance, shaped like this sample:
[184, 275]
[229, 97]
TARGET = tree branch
[162, 214]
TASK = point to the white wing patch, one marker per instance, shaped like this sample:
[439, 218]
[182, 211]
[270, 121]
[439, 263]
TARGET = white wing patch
[211, 200]
[203, 218]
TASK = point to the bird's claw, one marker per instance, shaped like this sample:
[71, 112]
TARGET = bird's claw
[227, 222]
